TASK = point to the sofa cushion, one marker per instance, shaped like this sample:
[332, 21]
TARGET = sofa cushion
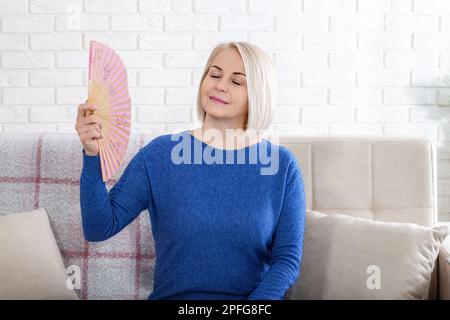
[346, 257]
[31, 266]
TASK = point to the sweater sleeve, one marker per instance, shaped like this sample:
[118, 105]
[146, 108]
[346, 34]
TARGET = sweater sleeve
[287, 246]
[105, 213]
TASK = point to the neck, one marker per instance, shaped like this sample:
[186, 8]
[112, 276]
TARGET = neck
[225, 134]
[232, 125]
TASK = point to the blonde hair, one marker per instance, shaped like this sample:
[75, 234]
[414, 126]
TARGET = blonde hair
[261, 84]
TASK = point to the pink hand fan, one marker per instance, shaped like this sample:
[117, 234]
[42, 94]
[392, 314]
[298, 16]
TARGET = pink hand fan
[108, 90]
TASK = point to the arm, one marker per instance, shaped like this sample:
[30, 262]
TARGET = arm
[105, 214]
[288, 242]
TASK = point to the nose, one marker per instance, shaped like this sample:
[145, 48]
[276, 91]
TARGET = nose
[221, 84]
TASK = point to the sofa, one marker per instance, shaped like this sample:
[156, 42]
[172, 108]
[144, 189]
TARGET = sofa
[384, 178]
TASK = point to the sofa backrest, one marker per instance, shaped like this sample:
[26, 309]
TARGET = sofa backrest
[382, 178]
[374, 177]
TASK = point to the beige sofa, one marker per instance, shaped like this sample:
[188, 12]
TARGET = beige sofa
[375, 177]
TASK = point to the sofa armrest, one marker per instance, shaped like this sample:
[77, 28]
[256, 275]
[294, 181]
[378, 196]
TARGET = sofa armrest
[444, 273]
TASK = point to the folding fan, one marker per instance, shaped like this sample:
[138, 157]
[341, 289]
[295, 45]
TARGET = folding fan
[108, 90]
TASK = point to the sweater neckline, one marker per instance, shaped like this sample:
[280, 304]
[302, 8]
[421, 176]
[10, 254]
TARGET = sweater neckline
[219, 149]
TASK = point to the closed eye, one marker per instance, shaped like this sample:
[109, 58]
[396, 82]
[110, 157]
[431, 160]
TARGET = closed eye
[233, 81]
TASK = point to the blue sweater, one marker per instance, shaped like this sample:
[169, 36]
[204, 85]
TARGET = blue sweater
[222, 231]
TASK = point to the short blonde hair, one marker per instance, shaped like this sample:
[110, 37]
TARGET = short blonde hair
[261, 84]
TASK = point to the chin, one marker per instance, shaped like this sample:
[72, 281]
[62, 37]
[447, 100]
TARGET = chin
[216, 113]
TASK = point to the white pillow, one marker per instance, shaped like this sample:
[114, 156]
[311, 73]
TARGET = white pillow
[31, 266]
[353, 258]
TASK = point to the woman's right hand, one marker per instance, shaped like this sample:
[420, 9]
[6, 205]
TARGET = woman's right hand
[88, 127]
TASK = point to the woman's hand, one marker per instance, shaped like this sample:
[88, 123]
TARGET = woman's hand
[88, 127]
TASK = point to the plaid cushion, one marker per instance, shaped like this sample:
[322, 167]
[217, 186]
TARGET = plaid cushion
[43, 170]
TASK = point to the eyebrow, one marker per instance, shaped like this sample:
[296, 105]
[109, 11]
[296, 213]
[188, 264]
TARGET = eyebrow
[233, 72]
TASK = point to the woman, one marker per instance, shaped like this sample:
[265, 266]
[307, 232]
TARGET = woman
[223, 229]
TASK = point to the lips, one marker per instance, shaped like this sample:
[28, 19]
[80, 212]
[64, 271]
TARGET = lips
[215, 99]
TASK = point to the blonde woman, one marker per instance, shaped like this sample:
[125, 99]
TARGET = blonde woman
[224, 228]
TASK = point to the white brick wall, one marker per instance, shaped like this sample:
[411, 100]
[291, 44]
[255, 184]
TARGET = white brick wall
[344, 66]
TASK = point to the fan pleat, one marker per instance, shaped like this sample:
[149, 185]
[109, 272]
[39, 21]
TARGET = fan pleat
[105, 72]
[119, 111]
[117, 70]
[111, 159]
[120, 144]
[115, 152]
[119, 132]
[121, 104]
[103, 163]
[119, 92]
[100, 74]
[121, 81]
[120, 100]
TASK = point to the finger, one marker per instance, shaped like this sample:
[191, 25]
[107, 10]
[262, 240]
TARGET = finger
[83, 108]
[92, 119]
[90, 135]
[80, 113]
[95, 126]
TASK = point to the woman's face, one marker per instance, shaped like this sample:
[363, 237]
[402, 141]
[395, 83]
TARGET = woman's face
[225, 80]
